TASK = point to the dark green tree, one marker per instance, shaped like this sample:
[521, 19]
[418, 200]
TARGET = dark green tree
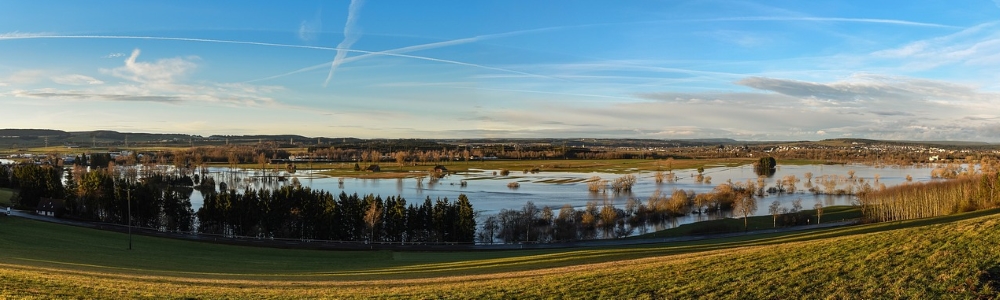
[765, 166]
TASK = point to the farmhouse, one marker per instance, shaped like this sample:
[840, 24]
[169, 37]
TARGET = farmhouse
[50, 207]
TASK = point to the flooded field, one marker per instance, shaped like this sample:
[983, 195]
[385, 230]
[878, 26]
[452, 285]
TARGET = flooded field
[490, 192]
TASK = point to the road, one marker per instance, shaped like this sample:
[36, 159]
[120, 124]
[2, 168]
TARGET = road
[344, 245]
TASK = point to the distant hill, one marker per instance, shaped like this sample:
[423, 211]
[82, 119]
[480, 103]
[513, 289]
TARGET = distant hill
[32, 133]
[27, 138]
[841, 142]
[273, 137]
[30, 138]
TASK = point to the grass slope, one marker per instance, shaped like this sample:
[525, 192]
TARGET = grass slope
[947, 257]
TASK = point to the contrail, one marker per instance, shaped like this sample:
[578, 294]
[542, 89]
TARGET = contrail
[418, 48]
[159, 38]
[490, 36]
[122, 37]
[825, 19]
[350, 36]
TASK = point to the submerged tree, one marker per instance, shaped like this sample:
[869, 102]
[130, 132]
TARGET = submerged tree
[765, 166]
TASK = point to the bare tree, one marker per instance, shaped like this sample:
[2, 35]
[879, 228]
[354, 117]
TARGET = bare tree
[775, 210]
[596, 184]
[262, 160]
[490, 227]
[678, 203]
[608, 216]
[231, 157]
[623, 184]
[400, 158]
[790, 182]
[372, 218]
[745, 203]
[819, 210]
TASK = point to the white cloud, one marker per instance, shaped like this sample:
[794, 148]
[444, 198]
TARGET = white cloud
[24, 77]
[309, 30]
[92, 95]
[76, 79]
[161, 71]
[974, 46]
[863, 105]
[114, 55]
[873, 88]
[160, 81]
[172, 94]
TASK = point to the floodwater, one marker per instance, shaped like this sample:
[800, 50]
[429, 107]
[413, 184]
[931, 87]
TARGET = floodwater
[490, 193]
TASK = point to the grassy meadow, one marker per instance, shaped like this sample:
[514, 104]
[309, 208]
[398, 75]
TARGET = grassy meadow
[945, 257]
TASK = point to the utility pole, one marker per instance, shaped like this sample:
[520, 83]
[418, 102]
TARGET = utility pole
[129, 216]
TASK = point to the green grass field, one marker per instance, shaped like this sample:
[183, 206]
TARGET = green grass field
[947, 257]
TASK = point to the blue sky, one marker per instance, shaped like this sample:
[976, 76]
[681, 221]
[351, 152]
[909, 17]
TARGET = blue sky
[766, 70]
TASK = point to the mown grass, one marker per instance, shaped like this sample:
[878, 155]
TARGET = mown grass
[947, 257]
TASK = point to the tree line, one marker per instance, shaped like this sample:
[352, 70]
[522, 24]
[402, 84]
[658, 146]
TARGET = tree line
[103, 195]
[161, 201]
[302, 213]
[32, 181]
[931, 199]
[548, 224]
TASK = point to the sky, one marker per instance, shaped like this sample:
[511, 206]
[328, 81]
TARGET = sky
[747, 70]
